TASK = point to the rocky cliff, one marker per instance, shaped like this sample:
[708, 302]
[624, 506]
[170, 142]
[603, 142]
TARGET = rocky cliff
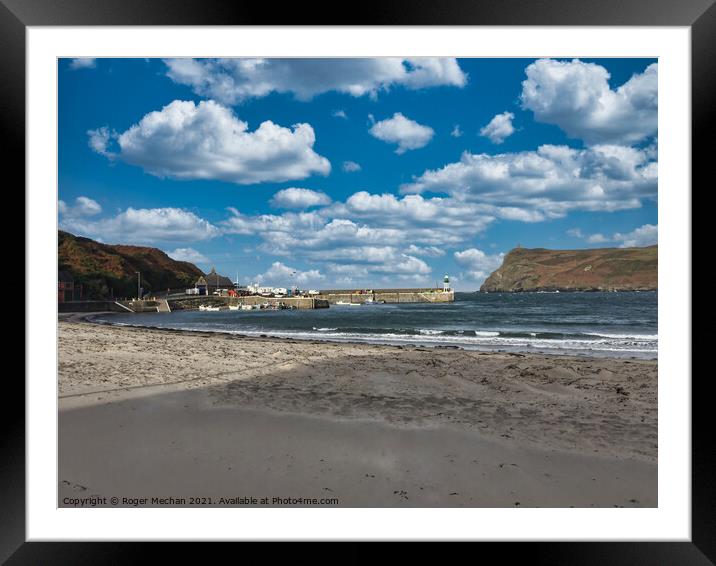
[605, 269]
[106, 271]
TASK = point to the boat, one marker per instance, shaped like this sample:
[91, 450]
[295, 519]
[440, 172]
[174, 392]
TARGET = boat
[208, 308]
[347, 304]
[234, 307]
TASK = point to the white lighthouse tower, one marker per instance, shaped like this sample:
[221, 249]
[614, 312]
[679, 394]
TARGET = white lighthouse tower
[446, 284]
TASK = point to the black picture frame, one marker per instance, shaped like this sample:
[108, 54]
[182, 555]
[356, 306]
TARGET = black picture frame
[699, 15]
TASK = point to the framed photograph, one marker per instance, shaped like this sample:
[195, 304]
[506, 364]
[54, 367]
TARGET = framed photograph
[421, 276]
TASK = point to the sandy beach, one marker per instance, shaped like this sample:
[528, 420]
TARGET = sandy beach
[235, 420]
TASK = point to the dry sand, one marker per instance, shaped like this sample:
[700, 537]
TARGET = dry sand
[155, 413]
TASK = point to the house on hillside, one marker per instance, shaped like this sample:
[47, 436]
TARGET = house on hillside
[207, 284]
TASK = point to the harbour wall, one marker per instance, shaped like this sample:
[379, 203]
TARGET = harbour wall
[193, 302]
[91, 306]
[323, 300]
[388, 296]
[148, 305]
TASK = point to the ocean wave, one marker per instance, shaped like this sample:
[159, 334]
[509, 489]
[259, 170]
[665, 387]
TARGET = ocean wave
[450, 332]
[626, 344]
[511, 323]
[625, 336]
[566, 345]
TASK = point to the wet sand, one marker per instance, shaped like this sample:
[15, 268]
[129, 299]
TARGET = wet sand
[167, 414]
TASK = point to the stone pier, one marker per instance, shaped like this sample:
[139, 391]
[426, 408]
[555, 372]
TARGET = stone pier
[388, 296]
[193, 302]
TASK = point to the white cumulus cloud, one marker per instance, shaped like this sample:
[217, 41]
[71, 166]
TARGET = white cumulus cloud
[408, 265]
[419, 220]
[188, 254]
[280, 274]
[234, 80]
[536, 185]
[386, 261]
[478, 265]
[646, 235]
[99, 141]
[294, 197]
[351, 166]
[576, 96]
[188, 141]
[597, 239]
[428, 251]
[499, 128]
[403, 131]
[83, 207]
[368, 238]
[365, 228]
[144, 225]
[83, 63]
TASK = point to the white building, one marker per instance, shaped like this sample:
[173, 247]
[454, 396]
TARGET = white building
[257, 289]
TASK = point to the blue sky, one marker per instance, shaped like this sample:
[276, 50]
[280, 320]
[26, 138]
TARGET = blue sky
[358, 172]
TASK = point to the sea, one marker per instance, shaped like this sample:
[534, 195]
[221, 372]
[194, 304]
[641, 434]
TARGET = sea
[620, 324]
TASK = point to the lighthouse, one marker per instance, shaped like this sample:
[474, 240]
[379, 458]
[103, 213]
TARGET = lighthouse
[446, 284]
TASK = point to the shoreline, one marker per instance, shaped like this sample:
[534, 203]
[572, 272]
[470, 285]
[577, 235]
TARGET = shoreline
[318, 462]
[134, 401]
[408, 343]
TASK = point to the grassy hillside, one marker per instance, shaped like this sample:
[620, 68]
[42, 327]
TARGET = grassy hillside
[106, 270]
[605, 269]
